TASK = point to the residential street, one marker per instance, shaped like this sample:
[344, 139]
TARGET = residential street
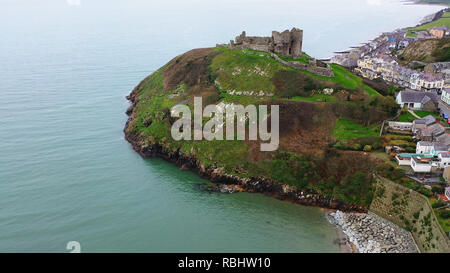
[444, 108]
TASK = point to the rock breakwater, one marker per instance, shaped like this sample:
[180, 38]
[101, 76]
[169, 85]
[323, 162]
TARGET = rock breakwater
[370, 233]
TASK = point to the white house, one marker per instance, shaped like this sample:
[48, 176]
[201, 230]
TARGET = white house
[421, 164]
[427, 81]
[444, 159]
[445, 96]
[424, 147]
[405, 159]
[417, 100]
[401, 126]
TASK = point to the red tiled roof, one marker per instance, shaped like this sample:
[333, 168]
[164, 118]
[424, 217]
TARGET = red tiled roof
[443, 197]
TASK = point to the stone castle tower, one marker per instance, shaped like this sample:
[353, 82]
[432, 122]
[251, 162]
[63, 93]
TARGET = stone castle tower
[287, 43]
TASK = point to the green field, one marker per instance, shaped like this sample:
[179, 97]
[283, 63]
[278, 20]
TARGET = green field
[346, 79]
[237, 70]
[443, 21]
[347, 129]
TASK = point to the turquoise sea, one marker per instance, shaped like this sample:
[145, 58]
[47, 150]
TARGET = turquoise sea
[66, 172]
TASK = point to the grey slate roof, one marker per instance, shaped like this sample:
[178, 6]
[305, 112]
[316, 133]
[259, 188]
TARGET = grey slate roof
[428, 120]
[425, 99]
[438, 146]
[417, 96]
[425, 143]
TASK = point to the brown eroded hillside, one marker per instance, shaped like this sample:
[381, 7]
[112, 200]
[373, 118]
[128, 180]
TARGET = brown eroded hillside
[427, 51]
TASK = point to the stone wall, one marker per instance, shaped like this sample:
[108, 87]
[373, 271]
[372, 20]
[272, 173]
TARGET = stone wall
[412, 211]
[314, 66]
[287, 43]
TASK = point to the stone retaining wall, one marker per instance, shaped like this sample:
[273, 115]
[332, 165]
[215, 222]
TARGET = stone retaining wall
[313, 68]
[412, 211]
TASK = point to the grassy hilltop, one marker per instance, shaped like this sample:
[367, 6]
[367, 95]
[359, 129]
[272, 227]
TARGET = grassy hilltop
[322, 137]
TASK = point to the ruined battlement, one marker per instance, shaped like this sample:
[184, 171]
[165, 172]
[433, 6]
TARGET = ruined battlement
[287, 43]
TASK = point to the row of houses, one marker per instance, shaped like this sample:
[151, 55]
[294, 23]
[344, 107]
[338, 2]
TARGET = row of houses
[388, 69]
[432, 155]
[433, 147]
[432, 33]
[385, 44]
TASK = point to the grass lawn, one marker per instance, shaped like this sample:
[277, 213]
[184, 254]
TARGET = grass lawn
[408, 117]
[443, 21]
[425, 113]
[347, 129]
[346, 79]
[245, 70]
[315, 98]
[303, 59]
[350, 80]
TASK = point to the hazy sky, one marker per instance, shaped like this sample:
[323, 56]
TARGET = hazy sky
[328, 25]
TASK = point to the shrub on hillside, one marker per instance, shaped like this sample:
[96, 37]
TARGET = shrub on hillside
[292, 83]
[356, 188]
[445, 214]
[367, 148]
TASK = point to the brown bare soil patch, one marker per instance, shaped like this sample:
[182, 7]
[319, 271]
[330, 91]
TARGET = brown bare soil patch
[190, 68]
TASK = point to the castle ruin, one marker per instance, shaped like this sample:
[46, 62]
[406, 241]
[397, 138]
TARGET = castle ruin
[287, 43]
